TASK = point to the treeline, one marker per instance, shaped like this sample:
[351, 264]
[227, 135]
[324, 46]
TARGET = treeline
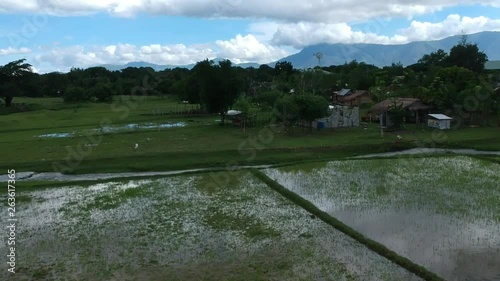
[443, 79]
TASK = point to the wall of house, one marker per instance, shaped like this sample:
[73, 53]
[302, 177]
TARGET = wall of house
[341, 117]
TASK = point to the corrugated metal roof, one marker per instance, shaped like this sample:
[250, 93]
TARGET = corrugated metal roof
[410, 103]
[344, 92]
[355, 95]
[440, 116]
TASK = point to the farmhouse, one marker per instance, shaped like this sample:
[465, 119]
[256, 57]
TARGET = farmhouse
[492, 65]
[414, 110]
[439, 121]
[357, 98]
[340, 95]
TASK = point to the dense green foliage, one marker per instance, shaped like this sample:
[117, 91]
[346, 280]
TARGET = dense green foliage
[12, 78]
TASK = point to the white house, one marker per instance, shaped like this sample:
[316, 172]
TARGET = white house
[338, 117]
[439, 121]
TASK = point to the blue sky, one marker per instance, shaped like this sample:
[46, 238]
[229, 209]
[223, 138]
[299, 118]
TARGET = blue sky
[58, 35]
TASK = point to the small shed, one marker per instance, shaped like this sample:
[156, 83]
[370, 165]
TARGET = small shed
[439, 121]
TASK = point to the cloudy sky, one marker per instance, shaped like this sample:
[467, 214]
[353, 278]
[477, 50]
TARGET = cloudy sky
[55, 35]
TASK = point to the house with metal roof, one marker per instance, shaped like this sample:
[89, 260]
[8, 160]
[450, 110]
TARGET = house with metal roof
[492, 65]
[340, 95]
[439, 121]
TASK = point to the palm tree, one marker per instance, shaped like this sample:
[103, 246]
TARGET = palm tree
[11, 76]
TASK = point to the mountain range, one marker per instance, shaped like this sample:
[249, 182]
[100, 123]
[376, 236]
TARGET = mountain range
[159, 67]
[377, 54]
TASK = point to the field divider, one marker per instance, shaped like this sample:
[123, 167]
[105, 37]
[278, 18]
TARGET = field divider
[380, 249]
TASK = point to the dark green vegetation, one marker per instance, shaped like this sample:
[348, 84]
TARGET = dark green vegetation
[372, 245]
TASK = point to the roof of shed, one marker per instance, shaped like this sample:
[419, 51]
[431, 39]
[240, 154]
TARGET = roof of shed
[355, 95]
[440, 116]
[407, 103]
[344, 92]
[492, 65]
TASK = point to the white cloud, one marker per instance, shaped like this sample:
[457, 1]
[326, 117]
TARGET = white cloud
[333, 11]
[452, 25]
[248, 48]
[304, 34]
[14, 51]
[63, 58]
[239, 49]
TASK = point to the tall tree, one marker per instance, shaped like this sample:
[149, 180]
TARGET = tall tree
[467, 55]
[283, 69]
[217, 85]
[11, 79]
[437, 58]
[311, 107]
[230, 85]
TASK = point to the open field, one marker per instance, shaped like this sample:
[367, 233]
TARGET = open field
[183, 228]
[56, 132]
[440, 212]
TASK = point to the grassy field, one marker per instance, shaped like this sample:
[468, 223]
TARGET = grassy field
[440, 212]
[101, 139]
[183, 228]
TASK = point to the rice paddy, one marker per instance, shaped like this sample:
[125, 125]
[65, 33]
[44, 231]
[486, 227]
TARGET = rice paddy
[440, 212]
[183, 228]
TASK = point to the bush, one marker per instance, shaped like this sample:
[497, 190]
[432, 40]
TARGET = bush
[102, 92]
[75, 94]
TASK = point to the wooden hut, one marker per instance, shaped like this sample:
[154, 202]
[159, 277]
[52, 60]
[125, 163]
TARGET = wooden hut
[414, 110]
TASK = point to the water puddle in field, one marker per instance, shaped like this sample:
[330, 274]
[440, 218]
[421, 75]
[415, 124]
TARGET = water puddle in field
[57, 135]
[453, 248]
[55, 176]
[132, 127]
[114, 129]
[416, 151]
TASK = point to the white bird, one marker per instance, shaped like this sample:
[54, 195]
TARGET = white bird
[399, 137]
[136, 146]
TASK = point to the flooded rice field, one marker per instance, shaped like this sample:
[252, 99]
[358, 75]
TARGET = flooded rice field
[417, 151]
[182, 228]
[440, 212]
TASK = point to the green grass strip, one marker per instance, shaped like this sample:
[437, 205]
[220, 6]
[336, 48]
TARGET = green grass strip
[372, 245]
